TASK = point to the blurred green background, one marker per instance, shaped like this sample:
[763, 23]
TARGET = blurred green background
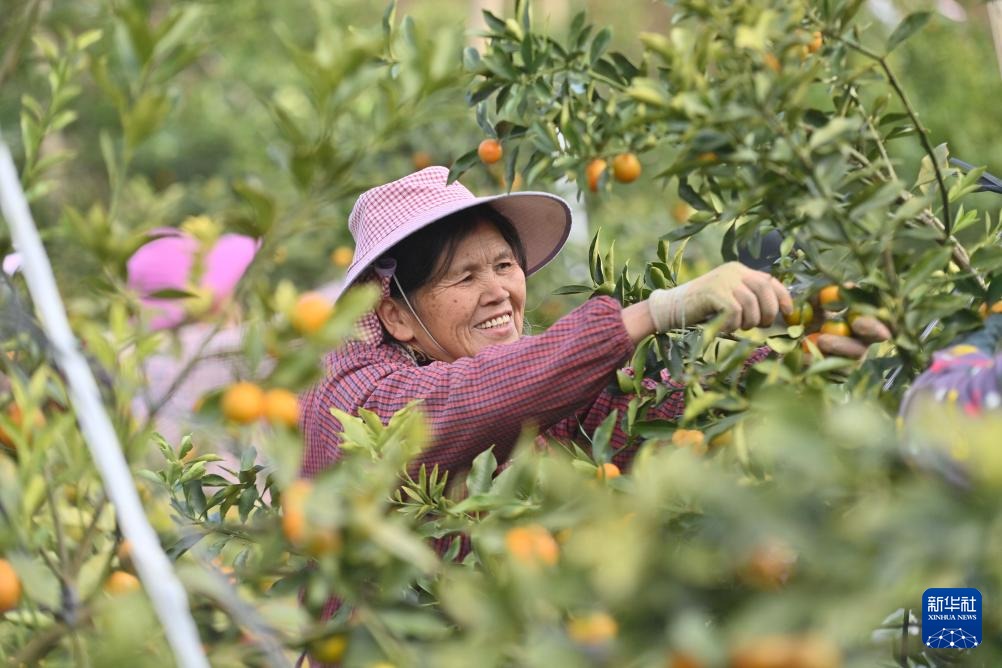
[244, 108]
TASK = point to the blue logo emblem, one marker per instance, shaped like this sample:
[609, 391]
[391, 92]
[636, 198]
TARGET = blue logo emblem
[951, 618]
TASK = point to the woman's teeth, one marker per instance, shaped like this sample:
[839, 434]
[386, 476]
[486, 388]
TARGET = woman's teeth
[495, 322]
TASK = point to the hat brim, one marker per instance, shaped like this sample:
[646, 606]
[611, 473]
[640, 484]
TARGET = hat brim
[542, 221]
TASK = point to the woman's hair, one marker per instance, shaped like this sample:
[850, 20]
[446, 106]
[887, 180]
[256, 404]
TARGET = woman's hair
[433, 247]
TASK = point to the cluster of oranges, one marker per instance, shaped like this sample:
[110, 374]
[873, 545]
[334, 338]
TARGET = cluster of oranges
[625, 166]
[532, 545]
[245, 402]
[830, 299]
[625, 169]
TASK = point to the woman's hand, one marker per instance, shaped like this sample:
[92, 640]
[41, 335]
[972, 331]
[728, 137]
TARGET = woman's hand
[749, 298]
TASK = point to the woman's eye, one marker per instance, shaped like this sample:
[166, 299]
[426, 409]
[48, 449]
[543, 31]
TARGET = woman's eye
[504, 266]
[466, 279]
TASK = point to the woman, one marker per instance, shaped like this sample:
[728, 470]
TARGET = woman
[448, 329]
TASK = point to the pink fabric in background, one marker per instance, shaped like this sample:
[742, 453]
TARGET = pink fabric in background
[166, 263]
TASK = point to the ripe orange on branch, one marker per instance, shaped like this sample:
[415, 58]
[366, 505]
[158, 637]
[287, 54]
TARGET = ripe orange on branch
[830, 295]
[532, 545]
[243, 402]
[594, 172]
[490, 151]
[10, 587]
[607, 470]
[281, 407]
[120, 582]
[800, 316]
[17, 417]
[626, 167]
[311, 313]
[836, 327]
[342, 256]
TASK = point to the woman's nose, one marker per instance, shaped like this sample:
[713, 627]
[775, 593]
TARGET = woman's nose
[495, 289]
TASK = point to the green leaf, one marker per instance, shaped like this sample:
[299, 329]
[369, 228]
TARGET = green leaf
[911, 24]
[247, 499]
[601, 451]
[691, 197]
[600, 44]
[931, 261]
[481, 472]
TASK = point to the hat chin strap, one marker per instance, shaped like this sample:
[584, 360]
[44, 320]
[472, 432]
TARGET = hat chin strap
[416, 317]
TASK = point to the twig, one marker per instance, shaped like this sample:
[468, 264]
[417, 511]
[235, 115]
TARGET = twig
[922, 132]
[16, 48]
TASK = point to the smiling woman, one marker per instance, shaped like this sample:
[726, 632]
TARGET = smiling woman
[448, 329]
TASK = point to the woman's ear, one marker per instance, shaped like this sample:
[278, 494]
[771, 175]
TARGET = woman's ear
[396, 320]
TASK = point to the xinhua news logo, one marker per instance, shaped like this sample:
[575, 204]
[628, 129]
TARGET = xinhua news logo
[951, 618]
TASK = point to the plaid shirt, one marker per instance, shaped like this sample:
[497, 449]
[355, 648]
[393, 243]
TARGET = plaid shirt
[558, 381]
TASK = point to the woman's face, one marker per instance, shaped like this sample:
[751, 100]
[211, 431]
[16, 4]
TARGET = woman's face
[478, 301]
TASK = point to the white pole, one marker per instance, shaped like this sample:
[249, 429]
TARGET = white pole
[154, 568]
[995, 20]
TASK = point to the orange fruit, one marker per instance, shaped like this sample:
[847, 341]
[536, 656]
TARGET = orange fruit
[983, 310]
[532, 545]
[311, 313]
[597, 628]
[293, 515]
[330, 649]
[342, 256]
[772, 62]
[626, 167]
[124, 554]
[120, 582]
[594, 172]
[421, 159]
[10, 587]
[607, 470]
[681, 211]
[830, 294]
[707, 158]
[769, 566]
[813, 338]
[817, 41]
[16, 416]
[243, 402]
[690, 438]
[490, 151]
[684, 661]
[281, 407]
[800, 316]
[836, 327]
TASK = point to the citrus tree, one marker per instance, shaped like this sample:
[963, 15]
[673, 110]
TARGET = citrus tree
[779, 523]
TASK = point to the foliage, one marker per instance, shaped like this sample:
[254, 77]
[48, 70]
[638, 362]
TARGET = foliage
[780, 514]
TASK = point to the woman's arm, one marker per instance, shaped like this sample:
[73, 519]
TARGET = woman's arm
[478, 401]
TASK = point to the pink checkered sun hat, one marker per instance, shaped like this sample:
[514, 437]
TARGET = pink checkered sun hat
[392, 212]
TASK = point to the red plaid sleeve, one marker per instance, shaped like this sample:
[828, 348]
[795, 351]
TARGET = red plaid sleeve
[478, 401]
